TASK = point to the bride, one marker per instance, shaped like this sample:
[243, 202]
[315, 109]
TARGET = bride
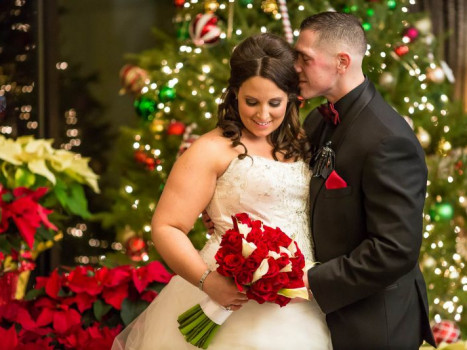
[253, 162]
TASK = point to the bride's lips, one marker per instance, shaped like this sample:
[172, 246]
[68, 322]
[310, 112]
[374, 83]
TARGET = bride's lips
[262, 124]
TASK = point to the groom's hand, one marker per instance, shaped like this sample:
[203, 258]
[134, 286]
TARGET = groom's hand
[207, 222]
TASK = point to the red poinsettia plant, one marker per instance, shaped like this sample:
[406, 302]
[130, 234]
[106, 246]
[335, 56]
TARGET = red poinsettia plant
[24, 227]
[84, 308]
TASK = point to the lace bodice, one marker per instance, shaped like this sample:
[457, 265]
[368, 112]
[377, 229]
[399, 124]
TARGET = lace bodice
[274, 192]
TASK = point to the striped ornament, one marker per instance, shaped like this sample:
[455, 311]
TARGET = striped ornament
[203, 29]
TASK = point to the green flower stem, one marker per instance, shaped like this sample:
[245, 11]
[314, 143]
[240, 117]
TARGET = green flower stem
[191, 325]
[187, 318]
[197, 328]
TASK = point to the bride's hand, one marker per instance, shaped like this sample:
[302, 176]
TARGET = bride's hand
[223, 291]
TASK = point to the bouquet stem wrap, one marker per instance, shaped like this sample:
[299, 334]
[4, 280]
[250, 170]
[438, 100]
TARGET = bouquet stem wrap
[200, 323]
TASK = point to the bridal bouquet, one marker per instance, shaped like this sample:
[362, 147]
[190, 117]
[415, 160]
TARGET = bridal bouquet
[261, 259]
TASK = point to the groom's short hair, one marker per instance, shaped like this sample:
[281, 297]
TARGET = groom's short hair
[337, 28]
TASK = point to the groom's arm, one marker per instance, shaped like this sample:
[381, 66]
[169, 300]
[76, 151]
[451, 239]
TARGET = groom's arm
[394, 186]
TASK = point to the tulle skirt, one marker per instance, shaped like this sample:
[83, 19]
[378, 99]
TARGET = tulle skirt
[255, 326]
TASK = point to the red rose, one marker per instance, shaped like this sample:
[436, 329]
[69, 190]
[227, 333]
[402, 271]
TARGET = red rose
[282, 280]
[255, 236]
[233, 263]
[244, 277]
[282, 300]
[232, 240]
[264, 288]
[283, 261]
[273, 269]
[243, 218]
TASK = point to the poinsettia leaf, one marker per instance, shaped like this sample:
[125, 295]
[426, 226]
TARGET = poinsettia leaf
[100, 309]
[87, 318]
[131, 309]
[62, 293]
[9, 242]
[7, 197]
[45, 234]
[60, 192]
[78, 203]
[24, 178]
[156, 286]
[34, 294]
[72, 198]
[5, 245]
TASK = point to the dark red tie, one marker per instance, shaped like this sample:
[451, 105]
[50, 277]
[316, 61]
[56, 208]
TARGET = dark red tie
[328, 112]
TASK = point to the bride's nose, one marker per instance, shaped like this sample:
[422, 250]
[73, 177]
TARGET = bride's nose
[263, 113]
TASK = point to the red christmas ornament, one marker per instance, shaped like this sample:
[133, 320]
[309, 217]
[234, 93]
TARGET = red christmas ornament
[140, 156]
[459, 166]
[411, 33]
[203, 29]
[136, 248]
[179, 3]
[176, 128]
[401, 50]
[150, 163]
[133, 79]
[446, 331]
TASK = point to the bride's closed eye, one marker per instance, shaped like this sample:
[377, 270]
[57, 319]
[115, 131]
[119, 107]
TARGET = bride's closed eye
[272, 103]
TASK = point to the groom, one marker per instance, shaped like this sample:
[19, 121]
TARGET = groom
[366, 207]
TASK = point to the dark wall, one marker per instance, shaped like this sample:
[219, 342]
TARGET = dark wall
[98, 34]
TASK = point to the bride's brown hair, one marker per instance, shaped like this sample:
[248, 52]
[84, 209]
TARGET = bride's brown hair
[271, 57]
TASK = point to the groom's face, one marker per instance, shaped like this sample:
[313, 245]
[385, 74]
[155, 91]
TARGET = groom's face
[316, 66]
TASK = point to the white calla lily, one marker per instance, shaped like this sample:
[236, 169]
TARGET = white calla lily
[243, 229]
[292, 248]
[247, 248]
[286, 268]
[274, 255]
[261, 270]
[286, 251]
[294, 293]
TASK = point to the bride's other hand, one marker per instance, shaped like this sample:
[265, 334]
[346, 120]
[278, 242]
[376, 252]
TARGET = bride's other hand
[223, 291]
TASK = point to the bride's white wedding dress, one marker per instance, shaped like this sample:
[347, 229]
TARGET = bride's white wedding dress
[277, 194]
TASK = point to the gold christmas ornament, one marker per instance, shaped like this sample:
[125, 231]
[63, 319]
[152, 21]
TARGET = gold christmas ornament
[270, 6]
[211, 5]
[423, 137]
[157, 126]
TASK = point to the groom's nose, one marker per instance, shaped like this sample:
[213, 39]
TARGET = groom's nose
[297, 66]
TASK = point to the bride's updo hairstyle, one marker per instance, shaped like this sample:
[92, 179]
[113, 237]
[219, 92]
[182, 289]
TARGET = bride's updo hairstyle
[271, 57]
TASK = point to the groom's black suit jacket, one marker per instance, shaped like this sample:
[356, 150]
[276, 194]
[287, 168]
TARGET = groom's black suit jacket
[367, 236]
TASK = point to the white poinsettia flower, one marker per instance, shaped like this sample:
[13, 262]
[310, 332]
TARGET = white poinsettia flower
[286, 268]
[247, 248]
[10, 151]
[75, 166]
[36, 148]
[243, 229]
[62, 160]
[38, 166]
[294, 293]
[261, 270]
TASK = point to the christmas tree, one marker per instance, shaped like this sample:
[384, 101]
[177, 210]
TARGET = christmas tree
[177, 86]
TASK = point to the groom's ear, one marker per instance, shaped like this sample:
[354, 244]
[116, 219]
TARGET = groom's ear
[343, 62]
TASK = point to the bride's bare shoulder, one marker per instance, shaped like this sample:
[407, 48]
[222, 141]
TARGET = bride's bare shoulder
[211, 146]
[212, 142]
